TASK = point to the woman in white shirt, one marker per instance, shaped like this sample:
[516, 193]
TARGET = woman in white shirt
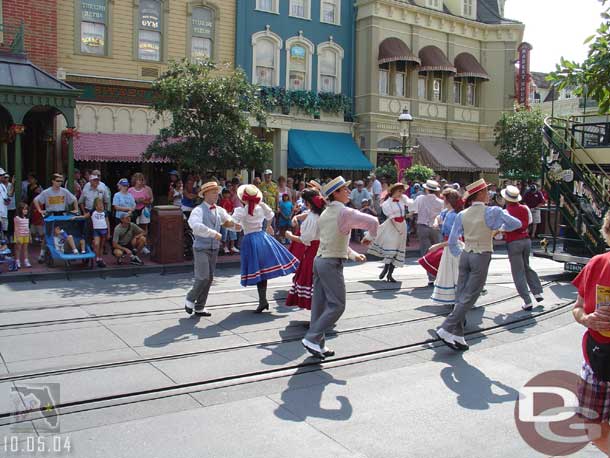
[262, 257]
[301, 290]
[391, 241]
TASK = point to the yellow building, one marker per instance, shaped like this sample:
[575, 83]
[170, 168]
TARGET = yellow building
[113, 49]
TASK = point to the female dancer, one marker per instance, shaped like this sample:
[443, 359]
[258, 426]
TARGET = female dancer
[301, 290]
[391, 241]
[297, 248]
[262, 257]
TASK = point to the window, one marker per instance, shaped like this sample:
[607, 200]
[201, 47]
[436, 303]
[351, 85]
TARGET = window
[470, 94]
[266, 58]
[300, 8]
[330, 61]
[330, 11]
[399, 84]
[436, 4]
[202, 33]
[436, 89]
[421, 87]
[93, 24]
[457, 92]
[149, 33]
[299, 51]
[384, 76]
[271, 6]
[467, 8]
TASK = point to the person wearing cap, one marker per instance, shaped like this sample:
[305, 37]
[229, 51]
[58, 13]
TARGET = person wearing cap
[101, 186]
[534, 199]
[174, 194]
[336, 224]
[262, 257]
[4, 202]
[56, 199]
[427, 207]
[359, 193]
[519, 246]
[123, 201]
[391, 241]
[476, 225]
[376, 191]
[270, 190]
[205, 221]
[128, 239]
[87, 200]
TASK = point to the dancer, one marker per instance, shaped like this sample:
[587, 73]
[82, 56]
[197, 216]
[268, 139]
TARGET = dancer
[301, 290]
[336, 224]
[391, 241]
[428, 206]
[205, 221]
[476, 224]
[519, 245]
[297, 248]
[262, 257]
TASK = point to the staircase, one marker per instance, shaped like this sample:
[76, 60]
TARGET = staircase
[578, 183]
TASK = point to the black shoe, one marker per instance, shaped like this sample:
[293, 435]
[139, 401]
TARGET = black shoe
[313, 352]
[101, 263]
[306, 325]
[262, 306]
[328, 353]
[136, 261]
[202, 312]
[188, 310]
[430, 284]
[390, 278]
[451, 345]
[386, 267]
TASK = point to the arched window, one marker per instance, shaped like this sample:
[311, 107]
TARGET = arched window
[266, 58]
[298, 63]
[202, 30]
[330, 61]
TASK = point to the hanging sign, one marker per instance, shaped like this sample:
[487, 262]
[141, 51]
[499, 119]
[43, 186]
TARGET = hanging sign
[523, 76]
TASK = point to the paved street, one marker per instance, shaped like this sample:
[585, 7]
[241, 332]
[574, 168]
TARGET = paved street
[141, 379]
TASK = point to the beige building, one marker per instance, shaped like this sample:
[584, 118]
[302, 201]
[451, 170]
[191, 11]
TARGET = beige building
[450, 63]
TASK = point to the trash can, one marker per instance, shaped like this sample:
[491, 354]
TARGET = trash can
[167, 234]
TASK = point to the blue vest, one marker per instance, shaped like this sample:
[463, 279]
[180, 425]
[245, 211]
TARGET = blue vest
[212, 221]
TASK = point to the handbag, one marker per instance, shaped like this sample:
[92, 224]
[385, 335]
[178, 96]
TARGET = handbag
[598, 355]
[146, 212]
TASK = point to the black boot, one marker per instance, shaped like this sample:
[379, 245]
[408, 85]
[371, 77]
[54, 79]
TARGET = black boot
[262, 297]
[390, 271]
[384, 271]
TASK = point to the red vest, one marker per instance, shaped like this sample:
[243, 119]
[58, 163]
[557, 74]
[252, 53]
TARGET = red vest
[520, 212]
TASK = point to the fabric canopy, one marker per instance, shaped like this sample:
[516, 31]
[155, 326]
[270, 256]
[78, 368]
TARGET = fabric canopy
[393, 50]
[434, 60]
[469, 67]
[441, 156]
[112, 147]
[476, 154]
[325, 150]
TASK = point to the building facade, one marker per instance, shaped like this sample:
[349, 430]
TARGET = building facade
[304, 48]
[450, 63]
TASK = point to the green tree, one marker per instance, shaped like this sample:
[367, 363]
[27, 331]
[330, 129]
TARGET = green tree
[388, 171]
[210, 109]
[419, 173]
[592, 75]
[519, 138]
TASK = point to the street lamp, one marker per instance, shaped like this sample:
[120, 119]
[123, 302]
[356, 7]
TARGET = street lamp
[404, 121]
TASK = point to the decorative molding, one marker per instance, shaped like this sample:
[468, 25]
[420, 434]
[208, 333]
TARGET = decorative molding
[112, 119]
[393, 105]
[432, 110]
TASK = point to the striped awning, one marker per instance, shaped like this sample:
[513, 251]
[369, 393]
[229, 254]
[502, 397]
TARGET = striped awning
[395, 50]
[469, 67]
[433, 59]
[113, 147]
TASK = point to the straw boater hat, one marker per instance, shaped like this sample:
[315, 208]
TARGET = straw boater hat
[249, 190]
[334, 185]
[511, 194]
[393, 188]
[475, 187]
[314, 184]
[209, 186]
[432, 185]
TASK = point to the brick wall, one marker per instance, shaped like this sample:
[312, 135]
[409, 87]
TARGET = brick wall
[40, 19]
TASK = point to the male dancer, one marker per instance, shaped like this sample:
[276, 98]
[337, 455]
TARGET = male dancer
[205, 221]
[519, 245]
[336, 224]
[476, 224]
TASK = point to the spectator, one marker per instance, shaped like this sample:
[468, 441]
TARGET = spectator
[428, 207]
[257, 182]
[30, 193]
[359, 193]
[189, 196]
[282, 188]
[291, 190]
[228, 237]
[128, 239]
[376, 190]
[12, 205]
[91, 193]
[78, 183]
[25, 186]
[143, 196]
[101, 186]
[123, 202]
[534, 199]
[22, 236]
[101, 229]
[5, 200]
[367, 209]
[270, 190]
[285, 216]
[233, 193]
[64, 242]
[174, 195]
[36, 221]
[299, 191]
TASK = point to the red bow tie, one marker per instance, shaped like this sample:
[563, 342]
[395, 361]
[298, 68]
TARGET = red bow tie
[395, 200]
[212, 207]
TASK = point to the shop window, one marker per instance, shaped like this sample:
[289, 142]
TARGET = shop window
[384, 79]
[266, 58]
[471, 94]
[299, 53]
[150, 37]
[400, 79]
[270, 6]
[93, 26]
[202, 33]
[437, 84]
[330, 11]
[457, 92]
[421, 87]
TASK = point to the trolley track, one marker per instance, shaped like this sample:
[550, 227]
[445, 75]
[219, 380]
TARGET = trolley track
[309, 365]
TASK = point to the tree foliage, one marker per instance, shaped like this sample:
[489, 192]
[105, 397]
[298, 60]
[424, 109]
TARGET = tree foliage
[592, 75]
[519, 138]
[419, 173]
[210, 111]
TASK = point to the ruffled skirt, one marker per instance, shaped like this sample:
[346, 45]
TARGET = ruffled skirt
[390, 243]
[264, 258]
[302, 283]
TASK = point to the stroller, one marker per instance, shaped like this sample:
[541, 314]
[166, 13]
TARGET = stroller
[76, 228]
[6, 258]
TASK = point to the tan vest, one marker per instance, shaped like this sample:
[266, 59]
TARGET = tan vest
[477, 236]
[333, 244]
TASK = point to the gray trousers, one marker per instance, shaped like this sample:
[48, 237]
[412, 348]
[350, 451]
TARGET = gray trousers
[525, 278]
[427, 237]
[328, 301]
[204, 262]
[471, 281]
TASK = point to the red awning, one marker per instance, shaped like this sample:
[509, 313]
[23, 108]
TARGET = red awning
[433, 59]
[393, 50]
[469, 67]
[112, 147]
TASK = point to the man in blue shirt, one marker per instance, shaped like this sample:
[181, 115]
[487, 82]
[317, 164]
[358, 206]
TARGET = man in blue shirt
[476, 224]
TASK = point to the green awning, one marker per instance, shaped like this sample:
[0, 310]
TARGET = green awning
[325, 150]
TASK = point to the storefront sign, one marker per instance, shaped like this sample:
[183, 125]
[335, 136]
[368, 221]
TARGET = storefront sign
[523, 76]
[203, 22]
[93, 10]
[115, 94]
[150, 13]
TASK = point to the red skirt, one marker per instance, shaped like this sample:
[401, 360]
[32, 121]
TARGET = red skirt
[302, 283]
[431, 261]
[296, 248]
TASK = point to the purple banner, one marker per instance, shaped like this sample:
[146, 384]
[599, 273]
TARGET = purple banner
[402, 163]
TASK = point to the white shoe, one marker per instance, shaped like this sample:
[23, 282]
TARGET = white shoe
[527, 307]
[188, 306]
[27, 263]
[313, 348]
[234, 250]
[145, 250]
[225, 250]
[75, 251]
[538, 297]
[18, 264]
[452, 341]
[460, 342]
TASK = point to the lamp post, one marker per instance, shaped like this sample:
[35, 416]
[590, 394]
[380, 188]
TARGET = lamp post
[404, 121]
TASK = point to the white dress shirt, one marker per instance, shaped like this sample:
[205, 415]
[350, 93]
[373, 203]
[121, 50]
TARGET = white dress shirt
[200, 229]
[310, 230]
[253, 223]
[428, 207]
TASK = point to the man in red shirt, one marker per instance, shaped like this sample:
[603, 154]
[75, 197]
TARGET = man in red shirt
[519, 245]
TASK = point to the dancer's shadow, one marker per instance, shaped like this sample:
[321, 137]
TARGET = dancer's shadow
[474, 389]
[184, 330]
[508, 320]
[302, 400]
[290, 348]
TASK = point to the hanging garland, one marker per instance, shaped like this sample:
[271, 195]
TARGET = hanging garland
[307, 101]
